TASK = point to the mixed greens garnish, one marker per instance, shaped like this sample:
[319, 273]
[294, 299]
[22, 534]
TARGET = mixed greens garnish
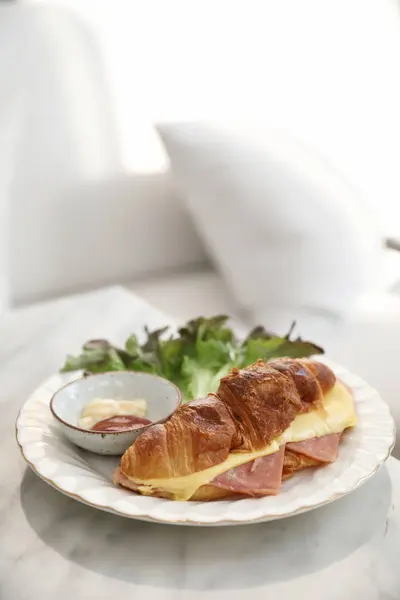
[195, 358]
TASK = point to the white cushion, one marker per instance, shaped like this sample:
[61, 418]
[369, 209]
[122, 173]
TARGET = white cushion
[297, 65]
[287, 233]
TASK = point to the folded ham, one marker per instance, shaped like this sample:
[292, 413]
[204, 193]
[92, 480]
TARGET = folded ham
[263, 476]
[323, 449]
[260, 477]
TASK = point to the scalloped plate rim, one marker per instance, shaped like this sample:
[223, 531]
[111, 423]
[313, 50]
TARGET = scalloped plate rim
[360, 389]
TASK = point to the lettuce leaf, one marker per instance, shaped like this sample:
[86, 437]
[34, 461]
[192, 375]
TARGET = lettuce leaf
[195, 359]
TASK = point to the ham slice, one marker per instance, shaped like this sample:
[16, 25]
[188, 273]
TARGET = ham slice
[323, 449]
[260, 477]
[263, 476]
[120, 479]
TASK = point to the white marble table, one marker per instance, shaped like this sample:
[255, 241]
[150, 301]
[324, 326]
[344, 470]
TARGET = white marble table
[52, 547]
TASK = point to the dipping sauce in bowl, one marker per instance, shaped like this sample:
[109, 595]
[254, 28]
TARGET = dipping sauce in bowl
[101, 400]
[102, 409]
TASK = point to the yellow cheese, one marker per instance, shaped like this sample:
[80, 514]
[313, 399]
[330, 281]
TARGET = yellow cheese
[183, 488]
[339, 414]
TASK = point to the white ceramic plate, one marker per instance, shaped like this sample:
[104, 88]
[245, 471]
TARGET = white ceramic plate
[87, 477]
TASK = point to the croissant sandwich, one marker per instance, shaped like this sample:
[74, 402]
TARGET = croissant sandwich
[266, 422]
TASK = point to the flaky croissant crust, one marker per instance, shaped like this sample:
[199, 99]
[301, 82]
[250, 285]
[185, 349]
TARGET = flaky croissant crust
[252, 407]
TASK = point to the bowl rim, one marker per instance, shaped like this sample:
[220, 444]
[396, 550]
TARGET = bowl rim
[113, 433]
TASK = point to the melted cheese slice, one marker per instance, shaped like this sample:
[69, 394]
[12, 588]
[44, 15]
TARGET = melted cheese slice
[338, 414]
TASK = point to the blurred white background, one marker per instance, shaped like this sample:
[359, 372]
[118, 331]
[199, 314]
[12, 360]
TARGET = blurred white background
[88, 198]
[91, 200]
[327, 72]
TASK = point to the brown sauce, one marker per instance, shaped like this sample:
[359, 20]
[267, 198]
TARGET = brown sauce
[121, 423]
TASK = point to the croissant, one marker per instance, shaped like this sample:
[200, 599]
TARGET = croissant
[237, 441]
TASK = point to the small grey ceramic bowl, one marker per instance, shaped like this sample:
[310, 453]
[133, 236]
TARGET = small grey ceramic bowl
[162, 396]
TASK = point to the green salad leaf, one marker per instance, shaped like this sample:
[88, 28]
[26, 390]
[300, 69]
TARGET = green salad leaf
[195, 359]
